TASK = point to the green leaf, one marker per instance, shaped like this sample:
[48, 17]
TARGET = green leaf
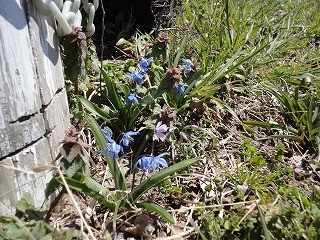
[290, 137]
[227, 107]
[195, 77]
[82, 187]
[25, 203]
[52, 186]
[263, 223]
[134, 115]
[117, 175]
[12, 231]
[271, 126]
[93, 108]
[181, 47]
[152, 207]
[111, 117]
[157, 178]
[113, 95]
[94, 185]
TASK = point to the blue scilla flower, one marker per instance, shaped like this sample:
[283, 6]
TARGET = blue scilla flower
[136, 76]
[127, 138]
[187, 65]
[144, 63]
[107, 132]
[181, 88]
[158, 160]
[113, 149]
[149, 163]
[133, 97]
[144, 163]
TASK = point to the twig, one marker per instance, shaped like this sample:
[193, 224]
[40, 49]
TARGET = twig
[76, 204]
[102, 47]
[53, 205]
[213, 206]
[177, 236]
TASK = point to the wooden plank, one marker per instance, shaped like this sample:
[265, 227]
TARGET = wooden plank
[18, 86]
[57, 113]
[17, 135]
[45, 43]
[34, 114]
[14, 184]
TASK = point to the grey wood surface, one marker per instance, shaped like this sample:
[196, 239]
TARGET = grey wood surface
[34, 114]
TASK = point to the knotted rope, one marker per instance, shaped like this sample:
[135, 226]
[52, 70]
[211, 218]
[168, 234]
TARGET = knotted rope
[68, 14]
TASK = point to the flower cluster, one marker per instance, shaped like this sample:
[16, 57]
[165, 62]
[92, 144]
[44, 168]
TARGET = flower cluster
[174, 78]
[186, 66]
[133, 97]
[145, 163]
[112, 147]
[162, 41]
[137, 77]
[149, 163]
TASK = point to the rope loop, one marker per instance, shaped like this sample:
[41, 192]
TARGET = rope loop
[68, 14]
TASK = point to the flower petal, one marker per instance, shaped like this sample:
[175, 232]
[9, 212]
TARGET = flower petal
[162, 128]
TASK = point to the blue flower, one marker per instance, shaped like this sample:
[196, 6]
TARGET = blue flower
[127, 138]
[144, 63]
[148, 163]
[187, 65]
[181, 88]
[107, 132]
[158, 160]
[113, 149]
[136, 76]
[132, 97]
[144, 163]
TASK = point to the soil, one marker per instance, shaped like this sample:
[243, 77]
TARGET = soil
[123, 17]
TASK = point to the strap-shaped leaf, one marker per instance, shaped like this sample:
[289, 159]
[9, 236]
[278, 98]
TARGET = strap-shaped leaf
[108, 118]
[81, 187]
[91, 107]
[113, 95]
[263, 223]
[157, 178]
[152, 207]
[271, 125]
[117, 175]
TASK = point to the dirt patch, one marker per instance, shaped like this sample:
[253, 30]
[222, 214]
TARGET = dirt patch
[123, 17]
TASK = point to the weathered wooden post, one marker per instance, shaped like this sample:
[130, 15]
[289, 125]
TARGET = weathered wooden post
[34, 114]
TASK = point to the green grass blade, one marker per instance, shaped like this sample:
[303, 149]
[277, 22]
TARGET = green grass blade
[263, 223]
[82, 187]
[193, 80]
[290, 137]
[157, 209]
[227, 107]
[113, 96]
[113, 121]
[271, 126]
[91, 107]
[157, 178]
[181, 48]
[102, 141]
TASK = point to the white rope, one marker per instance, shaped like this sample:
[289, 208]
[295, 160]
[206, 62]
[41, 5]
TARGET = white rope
[68, 14]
